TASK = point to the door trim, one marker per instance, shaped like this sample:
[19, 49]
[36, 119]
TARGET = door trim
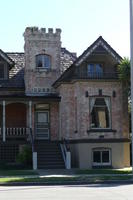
[44, 128]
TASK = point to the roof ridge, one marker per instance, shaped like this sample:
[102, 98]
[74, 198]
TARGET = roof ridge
[14, 52]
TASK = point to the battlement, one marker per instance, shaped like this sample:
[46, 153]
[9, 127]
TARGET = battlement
[35, 31]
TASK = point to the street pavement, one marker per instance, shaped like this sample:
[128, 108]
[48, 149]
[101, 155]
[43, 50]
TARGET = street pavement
[84, 192]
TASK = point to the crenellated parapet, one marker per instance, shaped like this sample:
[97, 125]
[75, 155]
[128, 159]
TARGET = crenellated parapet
[42, 33]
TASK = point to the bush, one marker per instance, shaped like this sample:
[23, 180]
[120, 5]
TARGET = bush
[25, 156]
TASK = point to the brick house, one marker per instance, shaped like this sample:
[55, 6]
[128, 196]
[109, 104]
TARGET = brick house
[48, 95]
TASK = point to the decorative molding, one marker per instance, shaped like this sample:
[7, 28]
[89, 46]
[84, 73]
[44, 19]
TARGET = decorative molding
[100, 42]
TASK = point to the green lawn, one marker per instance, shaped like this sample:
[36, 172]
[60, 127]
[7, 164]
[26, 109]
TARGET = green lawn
[105, 171]
[62, 179]
[17, 172]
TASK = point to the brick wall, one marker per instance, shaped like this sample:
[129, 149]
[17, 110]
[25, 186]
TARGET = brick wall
[81, 122]
[41, 42]
[54, 121]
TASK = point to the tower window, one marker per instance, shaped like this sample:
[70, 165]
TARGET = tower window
[43, 61]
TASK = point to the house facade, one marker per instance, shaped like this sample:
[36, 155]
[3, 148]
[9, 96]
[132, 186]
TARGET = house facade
[48, 96]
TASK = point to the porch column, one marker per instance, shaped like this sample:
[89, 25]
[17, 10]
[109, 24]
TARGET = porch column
[4, 123]
[30, 114]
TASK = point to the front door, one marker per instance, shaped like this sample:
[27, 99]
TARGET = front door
[42, 124]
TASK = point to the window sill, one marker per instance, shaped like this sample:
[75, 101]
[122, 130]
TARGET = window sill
[43, 70]
[101, 130]
[102, 166]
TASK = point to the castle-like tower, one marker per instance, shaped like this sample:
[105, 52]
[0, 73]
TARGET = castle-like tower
[42, 59]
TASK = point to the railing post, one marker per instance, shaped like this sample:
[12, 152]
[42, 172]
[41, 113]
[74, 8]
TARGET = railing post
[4, 122]
[30, 114]
[34, 154]
[34, 159]
[68, 160]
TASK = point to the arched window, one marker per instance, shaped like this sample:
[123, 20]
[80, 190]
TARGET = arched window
[43, 61]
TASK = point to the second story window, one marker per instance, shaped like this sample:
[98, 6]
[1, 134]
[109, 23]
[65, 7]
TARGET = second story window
[43, 61]
[2, 71]
[94, 70]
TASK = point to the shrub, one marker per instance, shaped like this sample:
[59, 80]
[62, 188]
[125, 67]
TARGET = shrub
[25, 156]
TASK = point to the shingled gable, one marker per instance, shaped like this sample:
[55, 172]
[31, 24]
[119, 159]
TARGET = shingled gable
[6, 58]
[100, 42]
[100, 45]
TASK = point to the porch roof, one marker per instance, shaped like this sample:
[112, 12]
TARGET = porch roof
[23, 97]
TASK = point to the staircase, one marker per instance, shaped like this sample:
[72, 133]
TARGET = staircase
[49, 155]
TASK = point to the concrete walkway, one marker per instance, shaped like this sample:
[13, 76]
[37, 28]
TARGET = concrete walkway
[56, 172]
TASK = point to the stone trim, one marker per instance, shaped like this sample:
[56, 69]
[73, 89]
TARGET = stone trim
[101, 130]
[118, 140]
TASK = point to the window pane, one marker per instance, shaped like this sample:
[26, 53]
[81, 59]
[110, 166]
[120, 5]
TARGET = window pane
[98, 69]
[39, 61]
[47, 61]
[102, 118]
[1, 71]
[105, 156]
[90, 70]
[96, 156]
[42, 117]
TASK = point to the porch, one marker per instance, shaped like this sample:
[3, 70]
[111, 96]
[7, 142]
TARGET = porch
[21, 117]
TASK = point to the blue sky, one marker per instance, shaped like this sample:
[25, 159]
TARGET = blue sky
[81, 21]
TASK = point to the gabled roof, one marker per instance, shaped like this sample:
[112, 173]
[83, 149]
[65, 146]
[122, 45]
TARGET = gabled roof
[16, 73]
[99, 42]
[100, 45]
[6, 58]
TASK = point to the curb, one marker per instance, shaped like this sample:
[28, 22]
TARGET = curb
[128, 182]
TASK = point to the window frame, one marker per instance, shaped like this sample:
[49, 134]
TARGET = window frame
[43, 63]
[110, 113]
[94, 72]
[101, 150]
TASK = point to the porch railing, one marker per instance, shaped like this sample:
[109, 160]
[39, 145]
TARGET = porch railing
[16, 132]
[66, 154]
[96, 75]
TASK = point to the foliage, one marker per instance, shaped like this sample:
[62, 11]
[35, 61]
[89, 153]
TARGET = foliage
[17, 172]
[25, 156]
[124, 74]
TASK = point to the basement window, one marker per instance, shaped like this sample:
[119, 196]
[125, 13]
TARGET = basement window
[100, 113]
[43, 61]
[101, 157]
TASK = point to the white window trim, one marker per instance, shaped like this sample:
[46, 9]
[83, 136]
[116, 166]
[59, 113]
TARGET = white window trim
[43, 63]
[110, 121]
[94, 164]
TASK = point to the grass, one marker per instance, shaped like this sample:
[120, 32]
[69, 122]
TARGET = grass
[61, 179]
[105, 171]
[17, 172]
